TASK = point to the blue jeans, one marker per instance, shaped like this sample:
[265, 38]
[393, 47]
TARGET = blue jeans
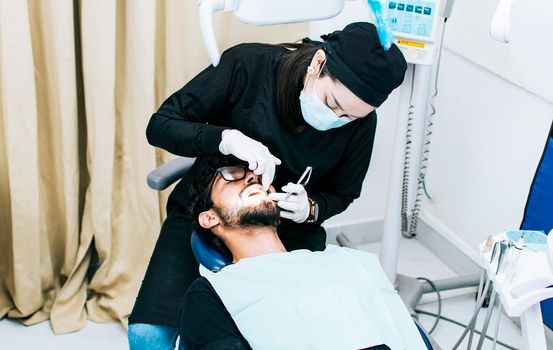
[143, 336]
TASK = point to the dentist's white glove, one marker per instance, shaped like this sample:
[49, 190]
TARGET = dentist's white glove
[294, 202]
[259, 159]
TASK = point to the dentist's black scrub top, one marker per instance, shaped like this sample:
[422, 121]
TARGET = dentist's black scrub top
[240, 93]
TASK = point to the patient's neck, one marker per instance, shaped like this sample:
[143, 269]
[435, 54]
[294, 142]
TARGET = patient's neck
[252, 241]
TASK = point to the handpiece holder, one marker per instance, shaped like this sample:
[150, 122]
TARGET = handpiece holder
[522, 289]
[531, 276]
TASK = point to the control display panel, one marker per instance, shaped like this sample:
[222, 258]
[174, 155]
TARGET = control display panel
[412, 17]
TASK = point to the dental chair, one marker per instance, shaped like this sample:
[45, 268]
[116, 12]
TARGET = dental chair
[538, 214]
[204, 252]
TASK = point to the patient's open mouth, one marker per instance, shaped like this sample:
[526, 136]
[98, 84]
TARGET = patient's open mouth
[254, 190]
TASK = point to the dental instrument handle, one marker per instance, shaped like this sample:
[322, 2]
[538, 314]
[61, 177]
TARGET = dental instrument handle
[514, 255]
[302, 181]
[489, 243]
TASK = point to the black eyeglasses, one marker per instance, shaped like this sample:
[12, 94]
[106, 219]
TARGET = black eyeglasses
[231, 173]
[228, 173]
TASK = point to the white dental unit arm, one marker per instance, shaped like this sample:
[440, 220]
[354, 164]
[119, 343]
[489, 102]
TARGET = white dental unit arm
[499, 27]
[413, 22]
[258, 12]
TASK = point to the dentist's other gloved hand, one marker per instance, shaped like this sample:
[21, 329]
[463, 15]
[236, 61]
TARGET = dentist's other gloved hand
[259, 159]
[294, 202]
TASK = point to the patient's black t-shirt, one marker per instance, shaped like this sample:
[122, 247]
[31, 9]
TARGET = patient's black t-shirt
[207, 325]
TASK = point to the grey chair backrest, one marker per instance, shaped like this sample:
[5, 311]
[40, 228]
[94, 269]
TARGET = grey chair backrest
[168, 173]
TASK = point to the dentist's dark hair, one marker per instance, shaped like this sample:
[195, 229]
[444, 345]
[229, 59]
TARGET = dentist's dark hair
[293, 68]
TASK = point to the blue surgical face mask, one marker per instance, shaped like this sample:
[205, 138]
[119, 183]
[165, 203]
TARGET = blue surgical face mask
[316, 113]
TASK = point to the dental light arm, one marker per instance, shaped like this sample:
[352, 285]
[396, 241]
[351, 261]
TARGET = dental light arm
[207, 8]
[499, 27]
[269, 12]
[262, 12]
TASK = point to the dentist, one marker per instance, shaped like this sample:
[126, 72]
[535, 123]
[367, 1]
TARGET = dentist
[279, 108]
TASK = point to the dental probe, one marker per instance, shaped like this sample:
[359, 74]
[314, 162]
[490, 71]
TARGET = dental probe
[304, 179]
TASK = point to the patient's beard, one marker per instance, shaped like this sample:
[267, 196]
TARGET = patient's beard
[262, 214]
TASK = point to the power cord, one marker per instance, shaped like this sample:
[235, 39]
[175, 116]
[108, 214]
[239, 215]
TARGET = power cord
[425, 154]
[439, 315]
[464, 326]
[437, 290]
[407, 161]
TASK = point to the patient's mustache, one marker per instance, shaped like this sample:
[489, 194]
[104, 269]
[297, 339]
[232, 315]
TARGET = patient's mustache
[256, 182]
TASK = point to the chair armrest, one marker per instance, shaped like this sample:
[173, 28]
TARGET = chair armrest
[168, 173]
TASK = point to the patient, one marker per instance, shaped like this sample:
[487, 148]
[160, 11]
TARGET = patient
[272, 299]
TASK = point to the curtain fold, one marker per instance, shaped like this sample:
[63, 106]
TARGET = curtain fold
[21, 252]
[121, 250]
[79, 81]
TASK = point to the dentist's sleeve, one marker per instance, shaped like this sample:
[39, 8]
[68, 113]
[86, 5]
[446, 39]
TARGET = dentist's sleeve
[343, 184]
[180, 125]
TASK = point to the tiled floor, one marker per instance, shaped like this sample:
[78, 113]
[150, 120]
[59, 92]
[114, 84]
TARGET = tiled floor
[415, 260]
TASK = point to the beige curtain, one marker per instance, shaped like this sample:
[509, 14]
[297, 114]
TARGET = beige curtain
[78, 83]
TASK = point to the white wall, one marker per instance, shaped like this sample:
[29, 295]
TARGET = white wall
[370, 206]
[371, 203]
[488, 137]
[494, 109]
